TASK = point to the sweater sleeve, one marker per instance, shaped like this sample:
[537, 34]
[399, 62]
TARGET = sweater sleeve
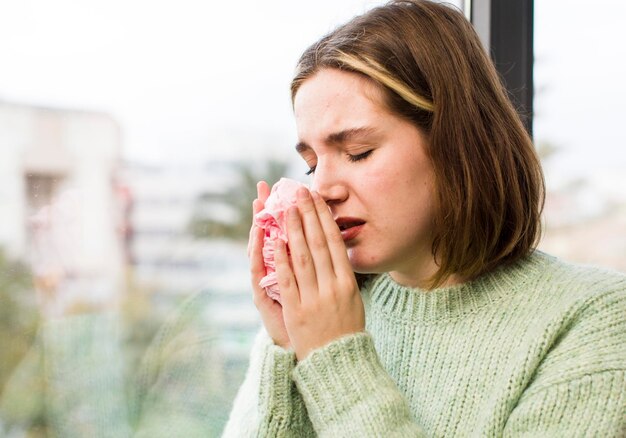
[268, 403]
[579, 389]
[348, 392]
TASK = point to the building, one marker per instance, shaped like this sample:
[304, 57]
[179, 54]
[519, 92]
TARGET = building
[46, 152]
[170, 264]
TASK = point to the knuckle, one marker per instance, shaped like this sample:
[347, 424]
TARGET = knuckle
[318, 242]
[335, 237]
[345, 284]
[256, 272]
[302, 259]
[300, 316]
[306, 207]
[285, 282]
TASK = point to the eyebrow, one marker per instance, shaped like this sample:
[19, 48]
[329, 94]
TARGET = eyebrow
[339, 137]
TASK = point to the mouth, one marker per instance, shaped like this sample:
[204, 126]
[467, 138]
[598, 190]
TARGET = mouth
[349, 227]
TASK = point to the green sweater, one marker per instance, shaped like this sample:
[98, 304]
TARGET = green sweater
[533, 349]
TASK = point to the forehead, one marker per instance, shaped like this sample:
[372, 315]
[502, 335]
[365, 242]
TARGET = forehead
[333, 99]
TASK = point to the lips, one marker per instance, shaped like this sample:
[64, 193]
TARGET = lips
[350, 227]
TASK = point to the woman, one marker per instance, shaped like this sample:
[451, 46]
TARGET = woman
[424, 180]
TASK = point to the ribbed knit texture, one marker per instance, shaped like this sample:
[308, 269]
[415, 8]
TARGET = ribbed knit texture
[533, 349]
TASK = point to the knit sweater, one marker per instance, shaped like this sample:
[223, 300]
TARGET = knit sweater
[537, 348]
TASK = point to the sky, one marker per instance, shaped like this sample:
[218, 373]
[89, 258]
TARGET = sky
[580, 66]
[187, 80]
[192, 80]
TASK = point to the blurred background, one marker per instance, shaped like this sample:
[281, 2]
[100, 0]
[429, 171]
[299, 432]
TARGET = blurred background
[163, 115]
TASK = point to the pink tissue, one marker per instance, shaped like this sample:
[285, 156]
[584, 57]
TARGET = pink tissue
[272, 220]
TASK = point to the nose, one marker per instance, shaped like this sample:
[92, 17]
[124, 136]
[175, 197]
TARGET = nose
[329, 182]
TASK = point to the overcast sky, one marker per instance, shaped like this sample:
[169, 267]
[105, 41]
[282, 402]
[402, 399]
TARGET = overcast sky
[580, 66]
[190, 81]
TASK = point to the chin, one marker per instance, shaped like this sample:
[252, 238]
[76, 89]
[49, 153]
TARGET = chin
[361, 264]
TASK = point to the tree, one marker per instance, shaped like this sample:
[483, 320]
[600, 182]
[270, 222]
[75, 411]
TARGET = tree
[19, 322]
[238, 199]
[19, 314]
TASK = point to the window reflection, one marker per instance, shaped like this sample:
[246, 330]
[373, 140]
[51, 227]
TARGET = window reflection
[578, 129]
[123, 270]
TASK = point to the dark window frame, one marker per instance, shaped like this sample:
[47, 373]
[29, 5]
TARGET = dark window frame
[506, 29]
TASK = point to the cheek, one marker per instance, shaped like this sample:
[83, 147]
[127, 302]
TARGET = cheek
[408, 191]
[385, 175]
[398, 179]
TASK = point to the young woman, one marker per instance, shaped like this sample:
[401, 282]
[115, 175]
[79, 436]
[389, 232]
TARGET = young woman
[425, 184]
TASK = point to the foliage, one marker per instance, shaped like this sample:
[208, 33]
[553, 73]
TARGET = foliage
[18, 314]
[238, 198]
[141, 321]
[23, 411]
[19, 321]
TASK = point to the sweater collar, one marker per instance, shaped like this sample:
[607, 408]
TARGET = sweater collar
[451, 302]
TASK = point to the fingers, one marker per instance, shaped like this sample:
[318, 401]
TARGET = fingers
[315, 237]
[336, 245]
[257, 265]
[289, 294]
[257, 206]
[263, 191]
[255, 245]
[301, 258]
[255, 249]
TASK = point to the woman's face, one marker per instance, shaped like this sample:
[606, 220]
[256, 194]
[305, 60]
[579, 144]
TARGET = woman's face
[372, 169]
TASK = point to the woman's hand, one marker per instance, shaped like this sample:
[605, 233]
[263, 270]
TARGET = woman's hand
[271, 311]
[320, 296]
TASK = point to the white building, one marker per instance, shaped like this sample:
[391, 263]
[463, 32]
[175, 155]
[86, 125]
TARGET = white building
[167, 261]
[163, 254]
[45, 152]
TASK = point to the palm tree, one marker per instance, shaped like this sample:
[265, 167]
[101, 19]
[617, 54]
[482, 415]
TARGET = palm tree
[238, 199]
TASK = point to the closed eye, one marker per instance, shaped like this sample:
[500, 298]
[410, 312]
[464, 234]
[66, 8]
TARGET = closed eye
[359, 157]
[351, 157]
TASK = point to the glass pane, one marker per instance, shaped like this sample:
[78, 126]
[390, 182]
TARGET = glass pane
[579, 70]
[131, 136]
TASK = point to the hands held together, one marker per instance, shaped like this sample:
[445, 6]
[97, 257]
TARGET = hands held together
[319, 293]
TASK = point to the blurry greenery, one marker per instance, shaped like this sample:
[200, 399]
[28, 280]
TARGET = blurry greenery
[141, 320]
[19, 320]
[20, 355]
[19, 314]
[238, 199]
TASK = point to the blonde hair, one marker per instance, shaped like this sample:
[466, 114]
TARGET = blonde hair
[378, 73]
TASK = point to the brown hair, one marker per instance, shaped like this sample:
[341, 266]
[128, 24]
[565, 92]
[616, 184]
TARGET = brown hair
[434, 71]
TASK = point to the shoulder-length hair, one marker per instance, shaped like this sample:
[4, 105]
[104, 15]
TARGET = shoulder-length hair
[433, 70]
